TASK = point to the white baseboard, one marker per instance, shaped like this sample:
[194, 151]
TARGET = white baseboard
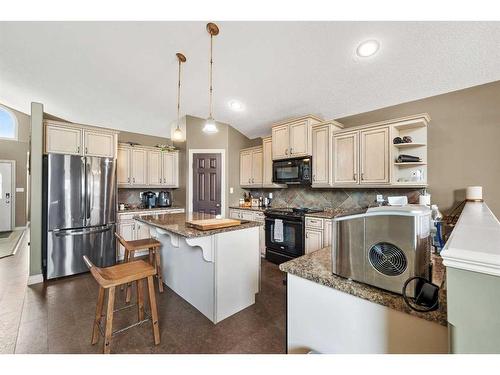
[19, 228]
[35, 279]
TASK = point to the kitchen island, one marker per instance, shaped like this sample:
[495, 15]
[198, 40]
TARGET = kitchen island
[216, 271]
[331, 314]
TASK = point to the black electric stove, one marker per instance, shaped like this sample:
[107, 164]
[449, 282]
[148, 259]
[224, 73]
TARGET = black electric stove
[291, 245]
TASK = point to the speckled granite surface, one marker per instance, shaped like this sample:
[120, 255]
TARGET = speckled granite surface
[138, 209]
[176, 223]
[317, 267]
[330, 214]
[260, 209]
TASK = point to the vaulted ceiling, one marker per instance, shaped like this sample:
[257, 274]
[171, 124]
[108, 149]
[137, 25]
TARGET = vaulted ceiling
[124, 74]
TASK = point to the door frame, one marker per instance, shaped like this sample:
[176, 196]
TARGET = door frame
[222, 153]
[13, 193]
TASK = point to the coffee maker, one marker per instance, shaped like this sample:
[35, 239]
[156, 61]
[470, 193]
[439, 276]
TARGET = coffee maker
[164, 199]
[148, 199]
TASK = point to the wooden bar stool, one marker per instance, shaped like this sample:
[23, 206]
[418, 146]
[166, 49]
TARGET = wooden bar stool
[150, 244]
[111, 277]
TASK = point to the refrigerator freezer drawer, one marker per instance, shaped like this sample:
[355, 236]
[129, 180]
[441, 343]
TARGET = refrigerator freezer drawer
[66, 248]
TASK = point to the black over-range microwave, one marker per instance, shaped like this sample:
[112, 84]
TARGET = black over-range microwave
[292, 171]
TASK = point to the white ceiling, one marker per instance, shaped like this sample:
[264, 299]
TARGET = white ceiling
[124, 74]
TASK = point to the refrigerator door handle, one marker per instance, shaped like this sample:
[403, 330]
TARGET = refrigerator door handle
[80, 232]
[88, 190]
[82, 192]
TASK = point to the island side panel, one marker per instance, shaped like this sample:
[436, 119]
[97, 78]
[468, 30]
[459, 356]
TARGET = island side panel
[329, 321]
[187, 273]
[237, 267]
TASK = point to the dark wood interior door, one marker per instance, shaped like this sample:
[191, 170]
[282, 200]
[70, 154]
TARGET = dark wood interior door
[207, 183]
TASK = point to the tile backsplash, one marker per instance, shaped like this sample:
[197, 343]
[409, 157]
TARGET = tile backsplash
[300, 196]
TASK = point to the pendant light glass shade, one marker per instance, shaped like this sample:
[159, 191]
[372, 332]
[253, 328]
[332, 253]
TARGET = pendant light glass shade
[178, 134]
[210, 126]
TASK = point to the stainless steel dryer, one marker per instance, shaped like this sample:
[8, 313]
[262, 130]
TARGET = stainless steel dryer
[383, 246]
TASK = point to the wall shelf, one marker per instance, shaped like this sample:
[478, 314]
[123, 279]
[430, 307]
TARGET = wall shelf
[408, 145]
[410, 164]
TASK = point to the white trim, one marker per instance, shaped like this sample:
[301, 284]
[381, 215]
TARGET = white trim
[20, 241]
[35, 279]
[16, 125]
[220, 151]
[12, 192]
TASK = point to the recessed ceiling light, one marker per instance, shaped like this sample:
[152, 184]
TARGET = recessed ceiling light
[368, 48]
[236, 106]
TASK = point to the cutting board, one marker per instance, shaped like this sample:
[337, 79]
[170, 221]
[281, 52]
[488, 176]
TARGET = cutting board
[210, 224]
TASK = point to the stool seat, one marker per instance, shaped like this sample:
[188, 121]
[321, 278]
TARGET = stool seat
[146, 243]
[122, 273]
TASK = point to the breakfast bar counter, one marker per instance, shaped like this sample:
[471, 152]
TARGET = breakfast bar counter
[216, 271]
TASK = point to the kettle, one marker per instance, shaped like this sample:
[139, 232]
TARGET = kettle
[164, 199]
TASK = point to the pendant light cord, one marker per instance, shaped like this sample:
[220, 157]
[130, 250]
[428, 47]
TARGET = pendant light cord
[211, 64]
[179, 96]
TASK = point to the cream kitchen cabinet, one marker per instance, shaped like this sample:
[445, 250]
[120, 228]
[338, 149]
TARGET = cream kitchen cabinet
[170, 169]
[314, 240]
[123, 166]
[374, 156]
[155, 176]
[75, 139]
[327, 232]
[138, 166]
[322, 153]
[318, 233]
[267, 164]
[251, 163]
[293, 138]
[345, 158]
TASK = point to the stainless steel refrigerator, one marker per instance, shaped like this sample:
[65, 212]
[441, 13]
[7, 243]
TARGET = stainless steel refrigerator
[80, 213]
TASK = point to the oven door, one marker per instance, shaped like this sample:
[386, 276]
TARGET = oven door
[293, 237]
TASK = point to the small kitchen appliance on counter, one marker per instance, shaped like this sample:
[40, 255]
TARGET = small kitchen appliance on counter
[148, 199]
[383, 247]
[164, 199]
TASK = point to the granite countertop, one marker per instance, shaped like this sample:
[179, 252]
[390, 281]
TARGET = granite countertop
[176, 223]
[317, 267]
[260, 209]
[333, 213]
[137, 209]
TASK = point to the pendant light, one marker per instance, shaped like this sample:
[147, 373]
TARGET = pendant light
[178, 132]
[210, 125]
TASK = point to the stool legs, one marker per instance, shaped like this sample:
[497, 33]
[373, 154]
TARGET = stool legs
[140, 300]
[98, 314]
[158, 270]
[109, 320]
[154, 312]
[128, 292]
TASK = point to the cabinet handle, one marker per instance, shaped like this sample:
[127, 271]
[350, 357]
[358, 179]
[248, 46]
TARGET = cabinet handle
[86, 150]
[128, 180]
[253, 180]
[355, 176]
[286, 151]
[160, 180]
[362, 176]
[291, 150]
[133, 179]
[78, 150]
[307, 235]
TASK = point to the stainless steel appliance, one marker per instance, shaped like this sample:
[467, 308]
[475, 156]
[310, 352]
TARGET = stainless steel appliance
[80, 209]
[292, 171]
[292, 244]
[383, 246]
[148, 199]
[164, 199]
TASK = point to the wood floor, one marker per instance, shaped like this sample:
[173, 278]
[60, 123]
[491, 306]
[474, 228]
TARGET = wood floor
[56, 317]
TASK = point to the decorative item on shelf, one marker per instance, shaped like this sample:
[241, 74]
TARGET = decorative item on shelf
[132, 144]
[210, 125]
[178, 132]
[407, 139]
[255, 202]
[397, 140]
[408, 159]
[417, 175]
[167, 148]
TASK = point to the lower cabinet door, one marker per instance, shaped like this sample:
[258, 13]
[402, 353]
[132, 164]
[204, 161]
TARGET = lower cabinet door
[314, 240]
[327, 235]
[127, 231]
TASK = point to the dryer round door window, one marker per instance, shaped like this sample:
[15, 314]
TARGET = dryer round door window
[387, 259]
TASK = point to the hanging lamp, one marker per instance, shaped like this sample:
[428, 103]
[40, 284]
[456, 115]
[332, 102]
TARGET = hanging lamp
[178, 136]
[210, 126]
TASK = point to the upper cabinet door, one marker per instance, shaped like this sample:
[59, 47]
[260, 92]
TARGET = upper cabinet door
[281, 142]
[299, 139]
[62, 140]
[267, 161]
[123, 166]
[171, 169]
[257, 167]
[245, 168]
[321, 156]
[139, 167]
[155, 168]
[99, 144]
[374, 156]
[345, 158]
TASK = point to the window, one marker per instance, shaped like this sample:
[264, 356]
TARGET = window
[8, 125]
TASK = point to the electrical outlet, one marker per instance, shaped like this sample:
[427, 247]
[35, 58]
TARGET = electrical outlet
[231, 190]
[380, 198]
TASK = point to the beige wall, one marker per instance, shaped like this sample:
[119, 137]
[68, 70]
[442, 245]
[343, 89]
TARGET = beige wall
[463, 141]
[18, 151]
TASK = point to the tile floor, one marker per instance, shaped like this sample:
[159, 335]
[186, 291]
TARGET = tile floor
[56, 317]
